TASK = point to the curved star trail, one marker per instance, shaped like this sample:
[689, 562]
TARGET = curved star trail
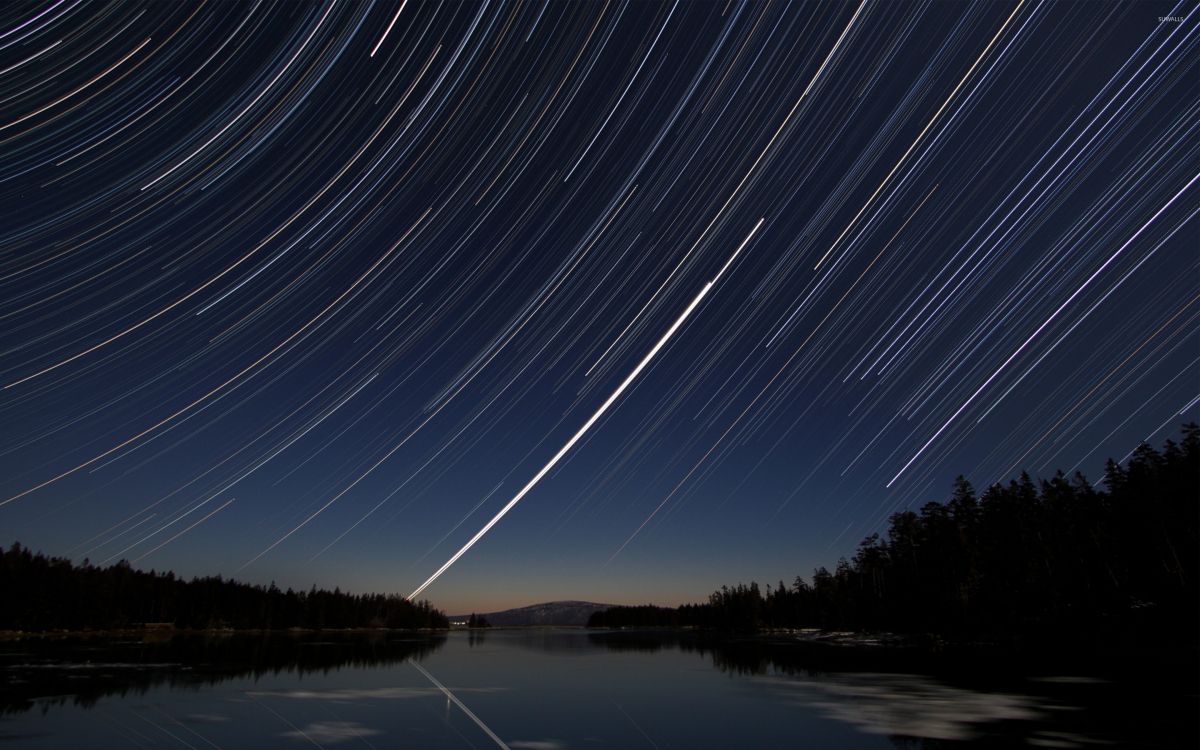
[381, 271]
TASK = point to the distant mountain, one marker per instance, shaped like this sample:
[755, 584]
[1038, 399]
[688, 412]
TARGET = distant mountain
[546, 613]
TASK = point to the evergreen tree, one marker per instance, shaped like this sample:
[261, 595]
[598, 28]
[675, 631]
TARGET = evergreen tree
[1035, 561]
[44, 593]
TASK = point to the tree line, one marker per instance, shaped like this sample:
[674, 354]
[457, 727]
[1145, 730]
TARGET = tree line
[52, 593]
[1050, 560]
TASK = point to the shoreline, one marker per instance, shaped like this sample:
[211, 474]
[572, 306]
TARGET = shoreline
[20, 635]
[928, 653]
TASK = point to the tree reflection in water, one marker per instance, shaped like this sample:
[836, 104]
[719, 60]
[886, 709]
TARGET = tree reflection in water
[36, 671]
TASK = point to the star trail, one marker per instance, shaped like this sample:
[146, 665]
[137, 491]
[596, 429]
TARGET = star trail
[317, 292]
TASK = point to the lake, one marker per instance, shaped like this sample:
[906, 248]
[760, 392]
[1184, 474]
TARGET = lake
[554, 688]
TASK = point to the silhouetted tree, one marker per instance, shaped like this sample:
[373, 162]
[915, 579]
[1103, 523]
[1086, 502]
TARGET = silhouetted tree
[50, 593]
[1057, 559]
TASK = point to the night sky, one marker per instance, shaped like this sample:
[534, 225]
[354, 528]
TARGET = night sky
[310, 292]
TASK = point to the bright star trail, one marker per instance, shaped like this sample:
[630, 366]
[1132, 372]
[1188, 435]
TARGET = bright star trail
[709, 289]
[462, 706]
[612, 398]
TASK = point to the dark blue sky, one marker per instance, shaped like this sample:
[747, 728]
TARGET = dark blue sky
[310, 292]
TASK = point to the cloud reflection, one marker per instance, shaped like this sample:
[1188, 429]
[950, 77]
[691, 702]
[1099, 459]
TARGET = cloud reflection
[206, 719]
[908, 705]
[350, 694]
[331, 732]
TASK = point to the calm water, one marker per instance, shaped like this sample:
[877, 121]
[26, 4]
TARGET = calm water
[547, 689]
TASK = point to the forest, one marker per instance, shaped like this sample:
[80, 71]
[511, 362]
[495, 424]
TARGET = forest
[50, 593]
[1053, 561]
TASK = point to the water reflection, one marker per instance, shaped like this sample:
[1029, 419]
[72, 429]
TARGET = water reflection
[47, 672]
[919, 698]
[556, 689]
[331, 732]
[346, 695]
[907, 705]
